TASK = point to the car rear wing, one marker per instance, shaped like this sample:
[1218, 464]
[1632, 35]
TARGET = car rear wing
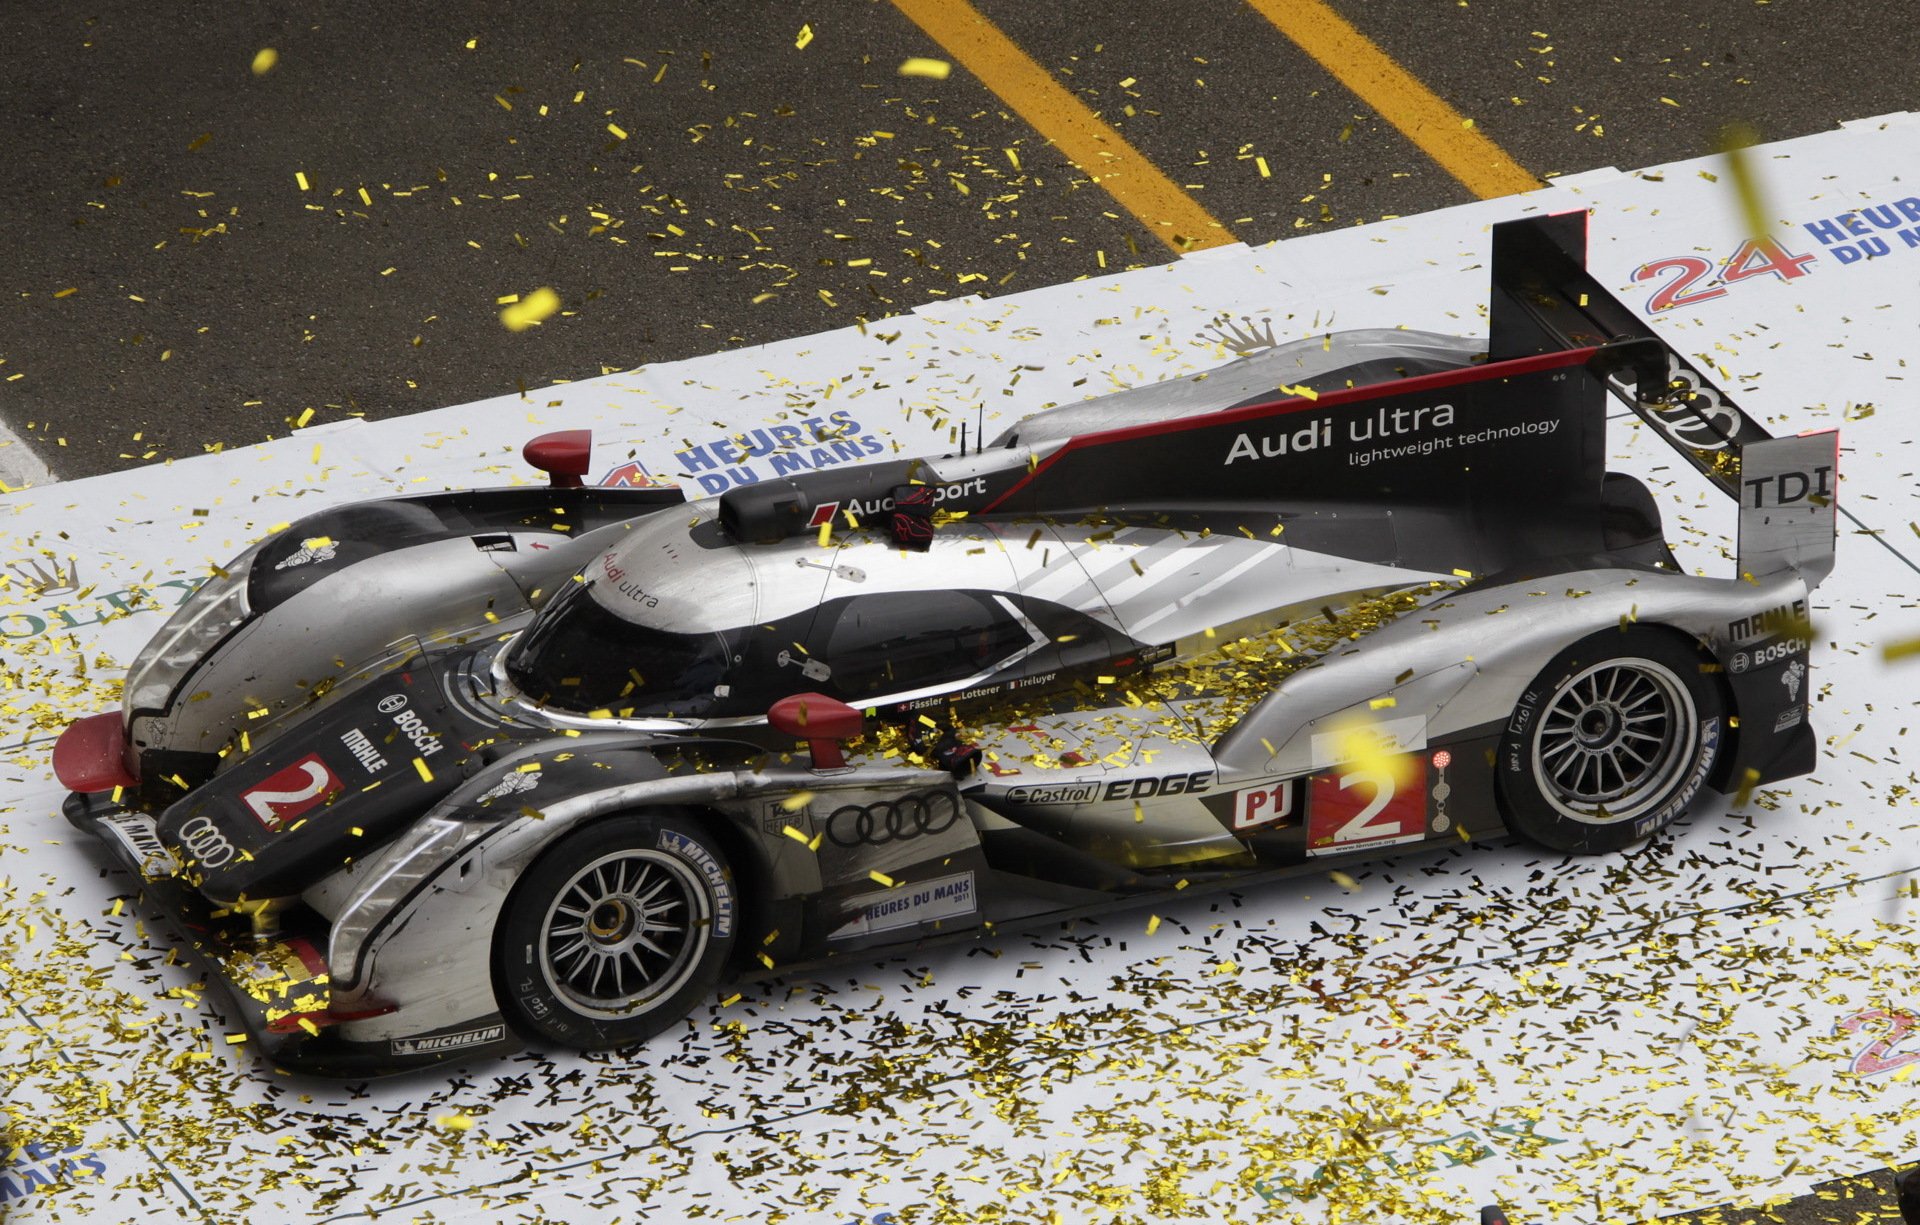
[1544, 300]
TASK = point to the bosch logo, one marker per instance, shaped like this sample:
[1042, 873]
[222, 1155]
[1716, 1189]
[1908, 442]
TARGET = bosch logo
[893, 820]
[1740, 662]
[415, 729]
[202, 839]
[392, 702]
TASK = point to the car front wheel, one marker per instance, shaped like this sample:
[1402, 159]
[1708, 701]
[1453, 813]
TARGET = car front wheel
[1610, 743]
[616, 931]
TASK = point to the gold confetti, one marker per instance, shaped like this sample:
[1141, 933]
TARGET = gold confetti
[805, 37]
[300, 177]
[1153, 924]
[619, 133]
[881, 878]
[264, 61]
[797, 801]
[420, 768]
[456, 1122]
[918, 66]
[535, 307]
[1344, 881]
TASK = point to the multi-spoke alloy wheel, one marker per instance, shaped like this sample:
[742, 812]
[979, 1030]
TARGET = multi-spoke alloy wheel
[1610, 743]
[1612, 740]
[616, 930]
[622, 931]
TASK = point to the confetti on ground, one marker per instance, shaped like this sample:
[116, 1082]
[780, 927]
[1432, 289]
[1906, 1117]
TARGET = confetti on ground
[917, 66]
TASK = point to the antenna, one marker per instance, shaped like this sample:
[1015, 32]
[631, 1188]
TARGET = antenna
[963, 440]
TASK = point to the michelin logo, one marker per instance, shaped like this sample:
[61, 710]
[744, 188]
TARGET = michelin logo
[946, 897]
[433, 1044]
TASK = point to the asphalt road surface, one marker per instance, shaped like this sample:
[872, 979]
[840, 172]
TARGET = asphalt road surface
[197, 254]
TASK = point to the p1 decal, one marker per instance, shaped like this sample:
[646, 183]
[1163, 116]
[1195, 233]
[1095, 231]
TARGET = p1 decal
[1260, 807]
[1381, 804]
[287, 793]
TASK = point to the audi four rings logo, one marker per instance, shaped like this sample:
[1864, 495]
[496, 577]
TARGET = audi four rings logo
[204, 841]
[892, 820]
[392, 702]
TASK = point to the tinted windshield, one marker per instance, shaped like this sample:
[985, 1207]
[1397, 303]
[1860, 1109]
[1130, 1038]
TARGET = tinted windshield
[579, 656]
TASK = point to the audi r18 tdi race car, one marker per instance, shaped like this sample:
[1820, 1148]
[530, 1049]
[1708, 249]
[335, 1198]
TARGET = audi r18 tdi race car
[438, 775]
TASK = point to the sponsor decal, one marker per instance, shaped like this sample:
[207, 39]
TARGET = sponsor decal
[946, 897]
[1872, 231]
[41, 1164]
[206, 842]
[319, 548]
[431, 1044]
[700, 857]
[897, 820]
[1790, 619]
[1688, 410]
[1740, 662]
[512, 784]
[633, 475]
[1754, 258]
[617, 575]
[1893, 1039]
[57, 618]
[363, 750]
[1056, 793]
[136, 832]
[1703, 762]
[424, 739]
[1395, 433]
[1789, 719]
[289, 792]
[44, 578]
[824, 513]
[1782, 489]
[1381, 805]
[495, 544]
[1791, 679]
[1407, 734]
[1192, 783]
[750, 456]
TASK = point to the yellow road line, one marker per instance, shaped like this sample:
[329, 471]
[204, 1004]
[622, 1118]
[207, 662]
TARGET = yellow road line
[1442, 133]
[1160, 204]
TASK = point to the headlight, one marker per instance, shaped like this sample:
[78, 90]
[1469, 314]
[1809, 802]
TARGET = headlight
[207, 616]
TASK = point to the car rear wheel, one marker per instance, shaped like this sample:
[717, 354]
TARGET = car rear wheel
[1610, 743]
[616, 932]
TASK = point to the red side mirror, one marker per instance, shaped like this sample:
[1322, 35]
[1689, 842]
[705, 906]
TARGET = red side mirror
[823, 722]
[563, 455]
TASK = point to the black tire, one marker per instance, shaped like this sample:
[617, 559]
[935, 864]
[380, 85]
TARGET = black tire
[1610, 743]
[658, 913]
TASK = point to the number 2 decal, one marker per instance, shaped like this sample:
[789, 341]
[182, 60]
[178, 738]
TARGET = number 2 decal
[289, 792]
[1368, 807]
[1878, 1055]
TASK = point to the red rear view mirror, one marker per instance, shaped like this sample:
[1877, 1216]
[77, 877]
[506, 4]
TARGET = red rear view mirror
[821, 721]
[563, 455]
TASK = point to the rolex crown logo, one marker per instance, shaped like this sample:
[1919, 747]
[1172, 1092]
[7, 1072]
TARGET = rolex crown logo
[45, 576]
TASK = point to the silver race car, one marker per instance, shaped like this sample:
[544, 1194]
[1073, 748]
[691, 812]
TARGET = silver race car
[439, 775]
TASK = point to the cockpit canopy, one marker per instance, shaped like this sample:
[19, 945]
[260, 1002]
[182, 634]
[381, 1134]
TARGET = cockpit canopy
[887, 646]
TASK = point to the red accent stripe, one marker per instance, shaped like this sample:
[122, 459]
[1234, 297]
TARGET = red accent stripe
[1295, 404]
